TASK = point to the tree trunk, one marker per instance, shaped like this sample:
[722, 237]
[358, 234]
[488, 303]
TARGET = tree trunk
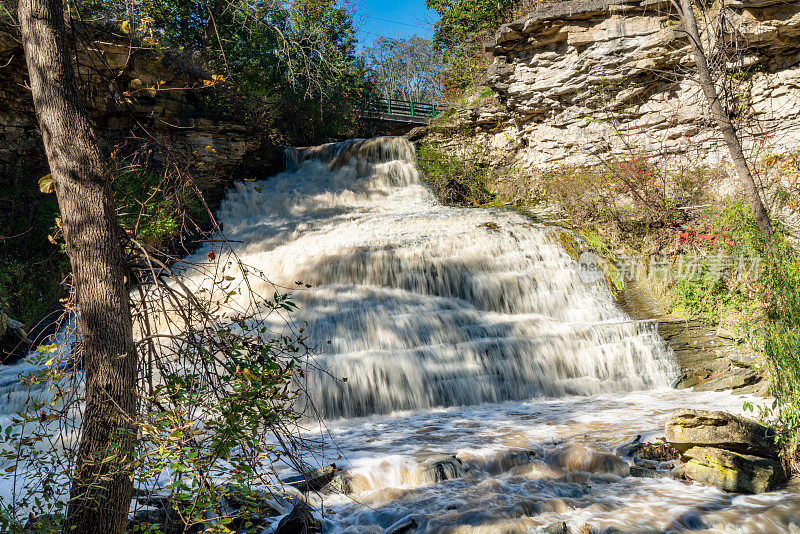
[101, 490]
[723, 120]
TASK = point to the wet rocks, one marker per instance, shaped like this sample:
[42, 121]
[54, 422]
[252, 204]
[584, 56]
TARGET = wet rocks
[692, 428]
[710, 359]
[404, 526]
[559, 527]
[732, 471]
[726, 451]
[326, 479]
[439, 469]
[655, 451]
[583, 458]
[299, 521]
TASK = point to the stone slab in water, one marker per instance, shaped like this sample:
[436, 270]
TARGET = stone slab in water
[699, 428]
[731, 471]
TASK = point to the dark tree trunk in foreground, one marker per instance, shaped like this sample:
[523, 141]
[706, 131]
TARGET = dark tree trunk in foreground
[101, 491]
[723, 120]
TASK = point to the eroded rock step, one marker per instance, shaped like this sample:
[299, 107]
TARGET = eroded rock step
[710, 359]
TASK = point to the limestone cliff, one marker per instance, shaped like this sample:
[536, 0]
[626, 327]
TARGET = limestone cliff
[580, 80]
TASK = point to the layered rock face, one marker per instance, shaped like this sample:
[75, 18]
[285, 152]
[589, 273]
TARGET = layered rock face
[578, 81]
[137, 98]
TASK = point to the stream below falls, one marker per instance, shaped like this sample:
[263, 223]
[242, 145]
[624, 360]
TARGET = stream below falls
[488, 378]
[469, 332]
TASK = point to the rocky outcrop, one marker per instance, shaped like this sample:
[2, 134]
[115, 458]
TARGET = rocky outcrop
[326, 479]
[12, 337]
[711, 358]
[731, 471]
[577, 80]
[727, 451]
[699, 428]
[142, 101]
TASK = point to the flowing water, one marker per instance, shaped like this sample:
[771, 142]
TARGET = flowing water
[468, 337]
[420, 305]
[469, 332]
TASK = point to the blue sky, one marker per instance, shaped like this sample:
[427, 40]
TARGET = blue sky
[393, 18]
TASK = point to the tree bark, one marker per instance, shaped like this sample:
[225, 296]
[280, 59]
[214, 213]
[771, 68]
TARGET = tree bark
[723, 120]
[101, 490]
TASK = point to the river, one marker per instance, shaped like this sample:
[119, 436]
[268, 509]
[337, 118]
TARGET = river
[467, 337]
[469, 332]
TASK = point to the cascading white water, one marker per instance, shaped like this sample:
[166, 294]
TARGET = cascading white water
[427, 306]
[421, 305]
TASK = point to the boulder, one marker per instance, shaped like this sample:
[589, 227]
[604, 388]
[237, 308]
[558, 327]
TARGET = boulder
[698, 428]
[404, 526]
[656, 451]
[732, 471]
[326, 479]
[299, 521]
[583, 458]
[559, 527]
[442, 468]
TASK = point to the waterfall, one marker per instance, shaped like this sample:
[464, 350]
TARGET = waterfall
[420, 305]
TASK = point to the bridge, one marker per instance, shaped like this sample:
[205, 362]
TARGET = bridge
[400, 111]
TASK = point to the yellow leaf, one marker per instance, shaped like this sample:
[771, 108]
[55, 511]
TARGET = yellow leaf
[11, 468]
[46, 184]
[125, 26]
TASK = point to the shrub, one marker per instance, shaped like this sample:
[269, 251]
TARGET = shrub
[462, 181]
[631, 194]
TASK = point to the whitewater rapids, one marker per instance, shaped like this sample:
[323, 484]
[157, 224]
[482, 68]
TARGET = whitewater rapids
[420, 305]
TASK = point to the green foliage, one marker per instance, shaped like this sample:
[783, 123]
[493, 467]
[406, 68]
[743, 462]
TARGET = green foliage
[32, 265]
[461, 181]
[709, 296]
[328, 81]
[152, 209]
[724, 231]
[289, 64]
[463, 20]
[779, 335]
[211, 404]
[463, 27]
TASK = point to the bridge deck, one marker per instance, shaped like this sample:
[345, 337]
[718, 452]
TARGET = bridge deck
[393, 110]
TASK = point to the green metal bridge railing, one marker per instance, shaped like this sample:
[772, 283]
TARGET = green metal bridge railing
[403, 108]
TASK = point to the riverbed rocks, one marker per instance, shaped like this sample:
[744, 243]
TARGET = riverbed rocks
[699, 428]
[725, 450]
[711, 358]
[441, 468]
[732, 471]
[299, 521]
[579, 457]
[326, 479]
